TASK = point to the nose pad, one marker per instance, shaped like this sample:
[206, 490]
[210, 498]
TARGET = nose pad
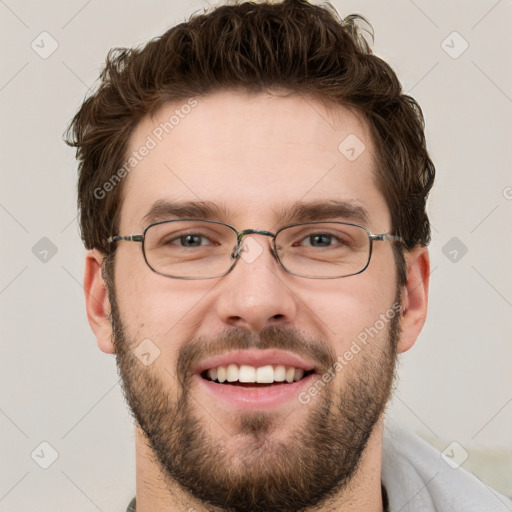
[237, 250]
[249, 249]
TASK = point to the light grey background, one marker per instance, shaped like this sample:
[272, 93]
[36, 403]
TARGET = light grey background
[58, 388]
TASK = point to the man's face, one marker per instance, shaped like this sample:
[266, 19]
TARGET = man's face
[253, 447]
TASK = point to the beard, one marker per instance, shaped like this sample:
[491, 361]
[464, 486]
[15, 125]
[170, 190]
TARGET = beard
[253, 471]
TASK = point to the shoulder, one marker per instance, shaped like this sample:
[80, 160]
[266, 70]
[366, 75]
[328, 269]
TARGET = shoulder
[418, 479]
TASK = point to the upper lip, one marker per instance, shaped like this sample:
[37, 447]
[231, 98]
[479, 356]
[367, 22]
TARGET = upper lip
[256, 358]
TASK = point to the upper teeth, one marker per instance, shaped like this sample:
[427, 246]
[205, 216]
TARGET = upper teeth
[263, 375]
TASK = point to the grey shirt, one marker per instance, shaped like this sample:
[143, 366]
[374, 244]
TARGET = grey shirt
[418, 479]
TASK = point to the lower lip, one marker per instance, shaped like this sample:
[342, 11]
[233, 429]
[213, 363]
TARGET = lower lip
[255, 398]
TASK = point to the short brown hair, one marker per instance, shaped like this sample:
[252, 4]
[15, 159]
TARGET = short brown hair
[291, 45]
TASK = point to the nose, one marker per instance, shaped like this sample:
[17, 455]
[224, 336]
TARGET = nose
[256, 293]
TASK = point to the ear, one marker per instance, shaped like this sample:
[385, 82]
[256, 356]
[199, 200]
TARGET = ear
[97, 301]
[414, 296]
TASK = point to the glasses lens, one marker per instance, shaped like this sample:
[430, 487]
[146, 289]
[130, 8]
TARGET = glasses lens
[189, 249]
[324, 250]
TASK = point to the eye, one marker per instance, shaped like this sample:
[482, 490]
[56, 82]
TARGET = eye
[320, 240]
[188, 240]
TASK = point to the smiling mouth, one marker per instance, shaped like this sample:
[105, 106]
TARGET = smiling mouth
[251, 376]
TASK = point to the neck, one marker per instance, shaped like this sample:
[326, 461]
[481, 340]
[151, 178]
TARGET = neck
[156, 493]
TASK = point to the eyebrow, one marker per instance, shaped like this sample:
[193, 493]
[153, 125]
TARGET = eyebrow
[298, 212]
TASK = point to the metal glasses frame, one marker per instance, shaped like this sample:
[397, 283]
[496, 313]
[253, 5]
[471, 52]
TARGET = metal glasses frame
[382, 237]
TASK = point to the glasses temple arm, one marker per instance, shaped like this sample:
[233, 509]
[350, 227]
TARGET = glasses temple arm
[131, 238]
[385, 237]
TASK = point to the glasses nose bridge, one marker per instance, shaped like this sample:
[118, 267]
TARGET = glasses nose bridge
[241, 234]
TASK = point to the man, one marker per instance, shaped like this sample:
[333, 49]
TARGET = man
[252, 191]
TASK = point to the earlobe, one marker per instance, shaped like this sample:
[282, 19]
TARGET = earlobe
[97, 301]
[414, 296]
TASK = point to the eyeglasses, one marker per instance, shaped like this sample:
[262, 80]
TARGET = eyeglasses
[205, 249]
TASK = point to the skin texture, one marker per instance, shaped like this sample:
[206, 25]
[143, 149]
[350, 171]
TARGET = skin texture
[254, 155]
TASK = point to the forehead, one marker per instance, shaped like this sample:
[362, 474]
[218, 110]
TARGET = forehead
[254, 158]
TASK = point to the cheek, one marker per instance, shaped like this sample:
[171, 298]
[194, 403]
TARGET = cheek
[155, 307]
[344, 311]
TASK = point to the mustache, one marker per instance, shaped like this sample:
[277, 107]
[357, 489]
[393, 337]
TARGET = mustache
[271, 337]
